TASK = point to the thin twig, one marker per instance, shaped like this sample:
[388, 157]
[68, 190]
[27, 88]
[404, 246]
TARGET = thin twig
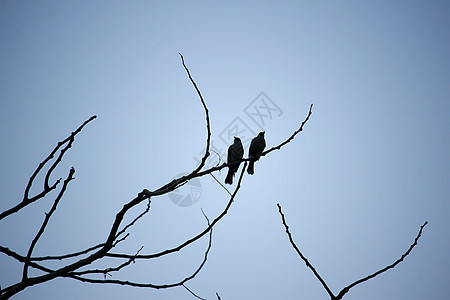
[110, 269]
[44, 224]
[65, 256]
[301, 255]
[74, 275]
[135, 220]
[347, 288]
[208, 126]
[192, 293]
[278, 147]
[26, 199]
[391, 266]
[220, 183]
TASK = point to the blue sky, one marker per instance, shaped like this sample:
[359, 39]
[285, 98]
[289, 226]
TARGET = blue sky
[370, 167]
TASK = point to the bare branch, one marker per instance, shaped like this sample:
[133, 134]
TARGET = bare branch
[21, 258]
[292, 136]
[192, 293]
[135, 220]
[278, 147]
[220, 183]
[208, 126]
[198, 236]
[74, 275]
[301, 255]
[108, 270]
[391, 266]
[57, 161]
[44, 224]
[26, 200]
[347, 288]
[65, 256]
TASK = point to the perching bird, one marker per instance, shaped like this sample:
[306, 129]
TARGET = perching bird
[256, 148]
[235, 154]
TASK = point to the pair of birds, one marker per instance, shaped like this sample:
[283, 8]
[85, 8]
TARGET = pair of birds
[236, 152]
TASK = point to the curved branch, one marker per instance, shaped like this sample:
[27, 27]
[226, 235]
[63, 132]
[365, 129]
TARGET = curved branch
[391, 266]
[208, 126]
[325, 286]
[135, 220]
[292, 136]
[26, 200]
[108, 270]
[347, 288]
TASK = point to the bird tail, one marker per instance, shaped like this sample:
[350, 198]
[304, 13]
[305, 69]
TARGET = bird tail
[229, 178]
[250, 169]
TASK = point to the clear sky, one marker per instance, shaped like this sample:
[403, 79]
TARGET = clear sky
[371, 166]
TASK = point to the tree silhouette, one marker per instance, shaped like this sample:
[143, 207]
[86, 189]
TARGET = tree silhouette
[79, 265]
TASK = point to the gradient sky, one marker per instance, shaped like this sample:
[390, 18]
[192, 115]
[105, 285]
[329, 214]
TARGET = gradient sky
[371, 166]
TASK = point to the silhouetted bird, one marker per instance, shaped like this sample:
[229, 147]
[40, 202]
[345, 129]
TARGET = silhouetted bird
[256, 148]
[235, 154]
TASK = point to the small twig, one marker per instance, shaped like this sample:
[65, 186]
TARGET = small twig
[192, 293]
[26, 199]
[75, 275]
[135, 220]
[300, 129]
[347, 288]
[278, 147]
[391, 266]
[218, 155]
[44, 224]
[220, 183]
[70, 255]
[108, 270]
[58, 160]
[121, 239]
[198, 236]
[208, 126]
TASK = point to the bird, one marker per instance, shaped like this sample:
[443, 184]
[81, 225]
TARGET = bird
[235, 154]
[256, 148]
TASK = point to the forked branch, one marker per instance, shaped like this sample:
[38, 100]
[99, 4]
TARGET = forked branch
[347, 288]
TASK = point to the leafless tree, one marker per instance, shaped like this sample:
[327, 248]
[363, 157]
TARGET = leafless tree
[79, 265]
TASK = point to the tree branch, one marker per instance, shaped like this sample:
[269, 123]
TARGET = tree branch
[117, 229]
[208, 126]
[135, 220]
[74, 275]
[391, 266]
[44, 224]
[65, 256]
[108, 270]
[26, 200]
[193, 239]
[325, 286]
[347, 288]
